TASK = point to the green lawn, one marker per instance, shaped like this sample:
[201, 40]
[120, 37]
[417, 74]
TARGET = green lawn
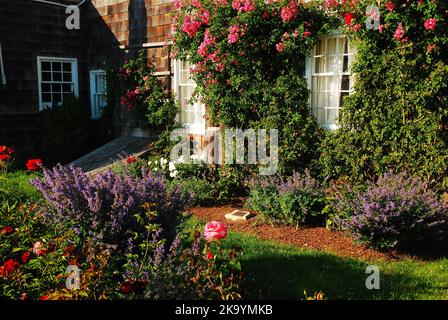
[277, 271]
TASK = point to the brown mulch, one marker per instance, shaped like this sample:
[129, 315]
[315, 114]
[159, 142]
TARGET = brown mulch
[319, 238]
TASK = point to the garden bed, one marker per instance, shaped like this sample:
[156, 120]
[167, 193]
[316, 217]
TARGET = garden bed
[318, 238]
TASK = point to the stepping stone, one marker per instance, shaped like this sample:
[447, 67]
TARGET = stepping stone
[239, 215]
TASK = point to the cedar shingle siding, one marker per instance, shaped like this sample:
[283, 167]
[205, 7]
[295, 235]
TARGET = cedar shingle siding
[111, 31]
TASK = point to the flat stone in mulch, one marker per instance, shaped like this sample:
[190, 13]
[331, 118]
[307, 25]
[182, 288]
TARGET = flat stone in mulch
[318, 238]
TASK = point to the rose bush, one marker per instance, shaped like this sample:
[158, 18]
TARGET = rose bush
[249, 59]
[395, 119]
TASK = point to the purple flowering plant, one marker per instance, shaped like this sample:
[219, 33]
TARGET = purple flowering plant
[396, 211]
[104, 207]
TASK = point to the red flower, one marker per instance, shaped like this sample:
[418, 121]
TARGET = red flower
[69, 250]
[390, 6]
[8, 267]
[4, 157]
[209, 255]
[348, 19]
[6, 150]
[23, 297]
[431, 47]
[44, 297]
[6, 230]
[126, 287]
[133, 286]
[33, 164]
[131, 160]
[26, 257]
[306, 34]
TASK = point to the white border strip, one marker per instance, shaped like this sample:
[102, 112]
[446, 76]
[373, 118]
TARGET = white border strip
[59, 4]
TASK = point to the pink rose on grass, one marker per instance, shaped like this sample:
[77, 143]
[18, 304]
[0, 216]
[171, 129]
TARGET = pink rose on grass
[215, 230]
[430, 24]
[38, 249]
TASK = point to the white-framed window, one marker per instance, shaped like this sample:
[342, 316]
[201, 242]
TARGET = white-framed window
[97, 92]
[2, 68]
[191, 114]
[57, 78]
[329, 79]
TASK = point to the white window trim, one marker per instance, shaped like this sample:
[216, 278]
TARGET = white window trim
[74, 63]
[2, 75]
[199, 129]
[92, 74]
[309, 71]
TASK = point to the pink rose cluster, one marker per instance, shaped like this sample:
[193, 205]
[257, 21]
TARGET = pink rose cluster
[243, 5]
[290, 12]
[399, 33]
[431, 24]
[234, 34]
[215, 230]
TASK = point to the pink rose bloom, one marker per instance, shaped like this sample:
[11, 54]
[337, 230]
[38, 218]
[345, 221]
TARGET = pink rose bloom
[280, 47]
[306, 34]
[430, 24]
[178, 4]
[215, 230]
[38, 249]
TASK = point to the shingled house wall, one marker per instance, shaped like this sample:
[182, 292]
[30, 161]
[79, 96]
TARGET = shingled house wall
[111, 31]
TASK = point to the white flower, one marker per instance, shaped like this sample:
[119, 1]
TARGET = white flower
[173, 174]
[149, 163]
[156, 162]
[155, 169]
[181, 159]
[163, 163]
[172, 166]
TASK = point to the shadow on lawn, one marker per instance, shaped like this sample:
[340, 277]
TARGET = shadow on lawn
[276, 276]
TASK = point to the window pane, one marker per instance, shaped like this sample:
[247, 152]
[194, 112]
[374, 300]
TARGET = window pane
[46, 66]
[56, 66]
[57, 97]
[46, 76]
[57, 76]
[67, 87]
[67, 66]
[67, 77]
[56, 87]
[46, 87]
[46, 97]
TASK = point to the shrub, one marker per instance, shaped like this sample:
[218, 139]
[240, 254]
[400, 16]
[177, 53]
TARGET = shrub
[397, 211]
[395, 119]
[103, 206]
[298, 199]
[27, 270]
